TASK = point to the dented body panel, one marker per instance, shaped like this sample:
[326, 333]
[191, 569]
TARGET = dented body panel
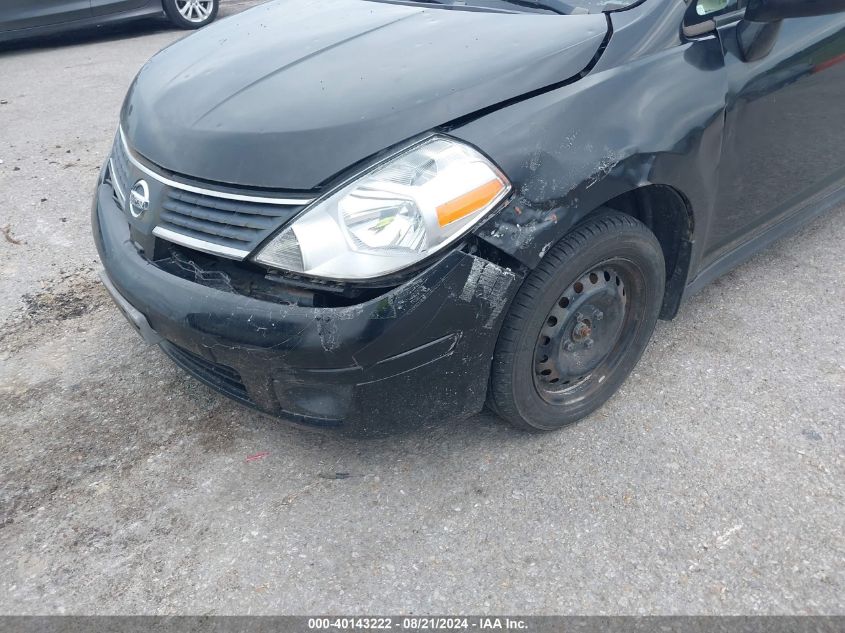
[686, 114]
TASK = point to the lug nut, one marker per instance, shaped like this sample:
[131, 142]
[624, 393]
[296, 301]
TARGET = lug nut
[579, 316]
[569, 346]
[588, 343]
[599, 315]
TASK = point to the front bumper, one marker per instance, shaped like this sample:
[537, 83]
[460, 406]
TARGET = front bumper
[418, 353]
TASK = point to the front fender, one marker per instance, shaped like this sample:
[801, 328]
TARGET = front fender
[656, 120]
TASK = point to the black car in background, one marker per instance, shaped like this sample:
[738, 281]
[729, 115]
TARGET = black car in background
[27, 18]
[360, 214]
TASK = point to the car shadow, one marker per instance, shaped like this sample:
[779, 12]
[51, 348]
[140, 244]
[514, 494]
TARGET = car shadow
[483, 429]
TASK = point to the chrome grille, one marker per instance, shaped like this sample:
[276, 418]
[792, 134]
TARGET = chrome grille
[217, 221]
[232, 223]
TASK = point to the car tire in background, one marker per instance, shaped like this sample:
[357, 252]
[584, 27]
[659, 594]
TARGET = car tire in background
[579, 324]
[191, 14]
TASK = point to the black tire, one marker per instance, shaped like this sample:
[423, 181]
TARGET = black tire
[594, 298]
[197, 18]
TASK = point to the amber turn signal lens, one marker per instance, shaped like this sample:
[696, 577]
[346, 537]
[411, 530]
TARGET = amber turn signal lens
[470, 202]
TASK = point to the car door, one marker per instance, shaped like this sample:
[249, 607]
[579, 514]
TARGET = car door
[784, 141]
[104, 7]
[26, 14]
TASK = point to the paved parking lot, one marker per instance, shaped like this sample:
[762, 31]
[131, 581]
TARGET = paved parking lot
[713, 483]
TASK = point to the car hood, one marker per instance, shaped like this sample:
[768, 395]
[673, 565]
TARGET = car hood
[288, 94]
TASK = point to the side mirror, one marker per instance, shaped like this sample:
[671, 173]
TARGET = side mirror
[757, 39]
[776, 10]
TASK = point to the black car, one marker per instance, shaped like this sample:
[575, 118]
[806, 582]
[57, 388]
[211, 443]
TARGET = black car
[369, 213]
[27, 18]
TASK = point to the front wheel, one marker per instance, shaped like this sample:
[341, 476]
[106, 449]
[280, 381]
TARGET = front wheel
[191, 14]
[579, 324]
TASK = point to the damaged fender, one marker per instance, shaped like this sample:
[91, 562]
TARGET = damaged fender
[650, 133]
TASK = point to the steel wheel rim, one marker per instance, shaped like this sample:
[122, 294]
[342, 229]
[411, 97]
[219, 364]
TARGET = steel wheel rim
[195, 11]
[586, 333]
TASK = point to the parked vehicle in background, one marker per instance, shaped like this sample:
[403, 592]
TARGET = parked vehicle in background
[359, 214]
[27, 18]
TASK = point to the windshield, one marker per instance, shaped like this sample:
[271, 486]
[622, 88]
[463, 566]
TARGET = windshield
[565, 7]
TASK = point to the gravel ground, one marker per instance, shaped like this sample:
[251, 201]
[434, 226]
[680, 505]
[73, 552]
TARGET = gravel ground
[713, 483]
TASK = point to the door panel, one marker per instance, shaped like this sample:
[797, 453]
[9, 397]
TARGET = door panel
[25, 14]
[104, 7]
[784, 138]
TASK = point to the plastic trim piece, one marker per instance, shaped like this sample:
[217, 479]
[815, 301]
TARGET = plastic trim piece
[200, 245]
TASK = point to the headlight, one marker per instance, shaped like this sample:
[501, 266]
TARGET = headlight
[393, 216]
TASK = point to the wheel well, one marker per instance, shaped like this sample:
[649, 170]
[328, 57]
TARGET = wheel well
[668, 214]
